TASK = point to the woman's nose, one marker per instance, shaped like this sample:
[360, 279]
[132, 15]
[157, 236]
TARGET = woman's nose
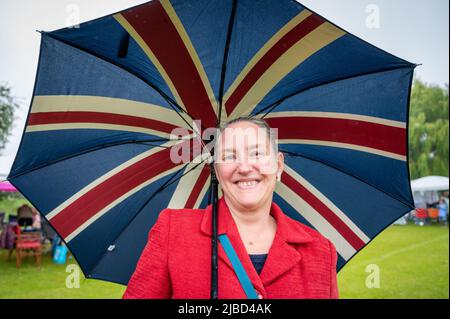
[244, 166]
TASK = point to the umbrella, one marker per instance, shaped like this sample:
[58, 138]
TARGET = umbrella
[109, 93]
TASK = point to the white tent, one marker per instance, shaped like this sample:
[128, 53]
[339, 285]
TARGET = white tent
[430, 183]
[425, 190]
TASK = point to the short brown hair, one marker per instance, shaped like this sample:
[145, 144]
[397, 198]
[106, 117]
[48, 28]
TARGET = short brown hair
[257, 121]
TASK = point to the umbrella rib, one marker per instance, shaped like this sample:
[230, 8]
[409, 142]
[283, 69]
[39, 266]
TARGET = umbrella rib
[168, 99]
[289, 153]
[225, 59]
[96, 148]
[275, 104]
[170, 181]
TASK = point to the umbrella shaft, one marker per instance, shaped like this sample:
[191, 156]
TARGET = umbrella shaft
[214, 238]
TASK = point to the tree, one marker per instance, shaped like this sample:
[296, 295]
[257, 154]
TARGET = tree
[8, 106]
[428, 130]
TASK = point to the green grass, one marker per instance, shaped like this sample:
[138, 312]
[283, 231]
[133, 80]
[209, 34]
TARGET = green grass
[413, 263]
[49, 281]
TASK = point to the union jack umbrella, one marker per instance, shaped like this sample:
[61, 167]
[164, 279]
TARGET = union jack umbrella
[109, 93]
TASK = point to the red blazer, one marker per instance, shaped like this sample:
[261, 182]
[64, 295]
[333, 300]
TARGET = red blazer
[176, 262]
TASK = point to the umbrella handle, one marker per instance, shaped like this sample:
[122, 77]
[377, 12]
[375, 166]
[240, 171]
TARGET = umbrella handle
[214, 237]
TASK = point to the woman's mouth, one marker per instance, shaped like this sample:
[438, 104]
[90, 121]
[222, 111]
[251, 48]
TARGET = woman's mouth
[247, 184]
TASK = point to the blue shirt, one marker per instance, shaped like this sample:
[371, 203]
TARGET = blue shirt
[258, 261]
[442, 210]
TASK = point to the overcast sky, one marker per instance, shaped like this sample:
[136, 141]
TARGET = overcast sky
[415, 30]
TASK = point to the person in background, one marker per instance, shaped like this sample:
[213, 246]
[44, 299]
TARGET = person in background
[445, 196]
[36, 219]
[25, 215]
[443, 208]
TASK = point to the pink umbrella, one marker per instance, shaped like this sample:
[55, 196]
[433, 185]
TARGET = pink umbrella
[7, 187]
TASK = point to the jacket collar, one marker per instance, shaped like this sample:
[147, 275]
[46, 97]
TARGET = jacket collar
[282, 255]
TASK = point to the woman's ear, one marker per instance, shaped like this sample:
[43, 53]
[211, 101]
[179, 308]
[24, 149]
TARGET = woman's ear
[280, 163]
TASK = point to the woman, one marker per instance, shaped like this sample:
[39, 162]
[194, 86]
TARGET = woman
[282, 257]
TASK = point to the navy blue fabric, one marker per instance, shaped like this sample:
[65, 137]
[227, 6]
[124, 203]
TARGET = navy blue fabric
[65, 70]
[258, 261]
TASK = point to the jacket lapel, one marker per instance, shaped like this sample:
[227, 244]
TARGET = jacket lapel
[282, 256]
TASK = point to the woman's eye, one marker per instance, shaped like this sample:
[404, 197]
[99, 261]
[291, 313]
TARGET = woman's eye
[229, 157]
[257, 154]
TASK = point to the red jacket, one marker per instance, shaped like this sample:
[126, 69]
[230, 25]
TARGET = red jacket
[176, 262]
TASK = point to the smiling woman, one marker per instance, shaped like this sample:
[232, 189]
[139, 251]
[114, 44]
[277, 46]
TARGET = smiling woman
[247, 165]
[263, 252]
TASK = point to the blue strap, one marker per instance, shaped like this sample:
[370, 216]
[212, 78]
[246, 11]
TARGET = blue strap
[238, 268]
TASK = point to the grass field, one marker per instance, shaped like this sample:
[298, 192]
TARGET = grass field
[412, 263]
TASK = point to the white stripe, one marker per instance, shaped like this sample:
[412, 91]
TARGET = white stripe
[82, 103]
[118, 201]
[342, 216]
[343, 247]
[322, 36]
[264, 49]
[202, 193]
[346, 146]
[96, 126]
[185, 185]
[335, 115]
[106, 176]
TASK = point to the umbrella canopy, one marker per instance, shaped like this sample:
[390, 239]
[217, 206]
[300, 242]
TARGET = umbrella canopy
[430, 183]
[109, 93]
[7, 187]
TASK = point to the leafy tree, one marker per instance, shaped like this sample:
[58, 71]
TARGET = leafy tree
[428, 130]
[8, 106]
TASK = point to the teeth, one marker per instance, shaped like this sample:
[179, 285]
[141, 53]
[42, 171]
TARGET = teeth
[247, 184]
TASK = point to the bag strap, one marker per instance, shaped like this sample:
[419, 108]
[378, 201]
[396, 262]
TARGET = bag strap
[238, 268]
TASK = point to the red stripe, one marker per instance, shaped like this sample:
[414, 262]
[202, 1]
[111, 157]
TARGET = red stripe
[98, 117]
[378, 136]
[323, 210]
[285, 43]
[155, 27]
[85, 207]
[195, 193]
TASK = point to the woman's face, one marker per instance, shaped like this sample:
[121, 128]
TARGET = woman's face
[247, 165]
